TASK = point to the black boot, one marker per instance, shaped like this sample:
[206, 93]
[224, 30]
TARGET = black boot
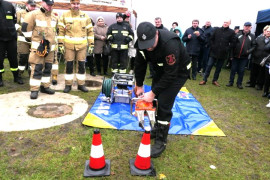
[46, 90]
[92, 74]
[17, 77]
[160, 141]
[34, 95]
[67, 88]
[82, 88]
[1, 81]
[153, 133]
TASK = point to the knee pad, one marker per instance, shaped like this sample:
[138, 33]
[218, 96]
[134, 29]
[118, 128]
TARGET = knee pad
[47, 69]
[81, 69]
[69, 67]
[38, 71]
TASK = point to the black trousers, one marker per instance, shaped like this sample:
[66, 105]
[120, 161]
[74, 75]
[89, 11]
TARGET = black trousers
[267, 79]
[166, 99]
[104, 59]
[119, 59]
[257, 75]
[90, 62]
[11, 48]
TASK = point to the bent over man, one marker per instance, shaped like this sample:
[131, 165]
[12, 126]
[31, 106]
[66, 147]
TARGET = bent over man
[171, 63]
[75, 32]
[40, 26]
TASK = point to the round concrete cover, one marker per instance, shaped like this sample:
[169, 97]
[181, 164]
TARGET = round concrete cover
[15, 116]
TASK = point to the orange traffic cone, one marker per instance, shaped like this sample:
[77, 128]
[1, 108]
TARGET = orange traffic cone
[142, 165]
[97, 165]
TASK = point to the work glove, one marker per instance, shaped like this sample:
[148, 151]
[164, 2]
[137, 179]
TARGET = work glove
[91, 49]
[61, 48]
[43, 48]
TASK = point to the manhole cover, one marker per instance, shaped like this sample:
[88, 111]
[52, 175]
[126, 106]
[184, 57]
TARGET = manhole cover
[50, 110]
[91, 83]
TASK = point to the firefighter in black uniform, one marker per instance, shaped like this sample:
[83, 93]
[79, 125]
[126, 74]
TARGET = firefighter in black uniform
[172, 66]
[119, 34]
[8, 40]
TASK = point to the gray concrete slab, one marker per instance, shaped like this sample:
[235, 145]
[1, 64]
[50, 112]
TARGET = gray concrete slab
[14, 108]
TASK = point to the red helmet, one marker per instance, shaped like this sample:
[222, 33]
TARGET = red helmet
[127, 13]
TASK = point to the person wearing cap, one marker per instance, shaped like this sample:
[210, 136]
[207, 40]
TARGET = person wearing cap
[23, 44]
[221, 42]
[194, 38]
[245, 44]
[171, 63]
[257, 73]
[75, 34]
[8, 40]
[119, 34]
[40, 26]
[100, 30]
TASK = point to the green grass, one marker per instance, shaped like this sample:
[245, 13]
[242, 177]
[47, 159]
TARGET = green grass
[60, 152]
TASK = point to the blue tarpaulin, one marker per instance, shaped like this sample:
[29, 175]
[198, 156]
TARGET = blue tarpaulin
[189, 117]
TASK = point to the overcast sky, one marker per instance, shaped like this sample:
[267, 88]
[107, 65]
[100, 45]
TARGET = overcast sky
[184, 12]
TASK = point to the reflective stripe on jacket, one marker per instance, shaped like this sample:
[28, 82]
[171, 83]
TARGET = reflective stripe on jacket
[75, 29]
[41, 23]
[120, 34]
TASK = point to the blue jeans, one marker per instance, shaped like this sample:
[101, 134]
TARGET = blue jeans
[238, 66]
[210, 64]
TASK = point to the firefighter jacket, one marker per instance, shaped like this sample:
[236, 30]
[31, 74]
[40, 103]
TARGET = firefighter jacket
[20, 19]
[120, 34]
[7, 21]
[75, 30]
[38, 24]
[170, 61]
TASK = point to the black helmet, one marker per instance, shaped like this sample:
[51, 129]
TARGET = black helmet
[119, 15]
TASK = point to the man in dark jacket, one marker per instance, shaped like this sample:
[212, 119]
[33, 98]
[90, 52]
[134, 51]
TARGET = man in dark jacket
[171, 64]
[245, 44]
[119, 34]
[221, 43]
[8, 40]
[208, 31]
[194, 39]
[257, 71]
[267, 64]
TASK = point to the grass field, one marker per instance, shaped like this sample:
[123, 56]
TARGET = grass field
[60, 152]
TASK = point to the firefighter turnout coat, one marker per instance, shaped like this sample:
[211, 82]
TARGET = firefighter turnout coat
[75, 33]
[75, 30]
[119, 34]
[23, 44]
[39, 25]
